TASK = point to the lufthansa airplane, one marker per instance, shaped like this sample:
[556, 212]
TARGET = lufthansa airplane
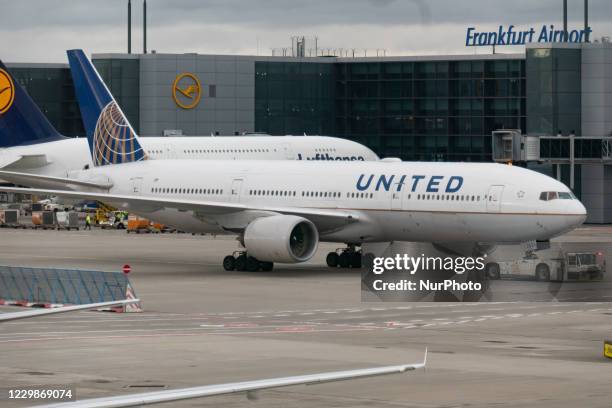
[29, 143]
[280, 210]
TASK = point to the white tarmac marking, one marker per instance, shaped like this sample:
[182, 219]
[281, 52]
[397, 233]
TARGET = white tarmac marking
[10, 337]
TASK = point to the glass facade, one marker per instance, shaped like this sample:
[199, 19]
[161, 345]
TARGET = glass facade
[122, 76]
[294, 98]
[553, 90]
[554, 105]
[429, 110]
[417, 110]
[52, 90]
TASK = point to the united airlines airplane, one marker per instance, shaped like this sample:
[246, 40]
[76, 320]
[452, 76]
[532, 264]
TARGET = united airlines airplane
[280, 210]
[29, 143]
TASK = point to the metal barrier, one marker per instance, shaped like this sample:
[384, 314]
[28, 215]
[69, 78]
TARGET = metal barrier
[20, 285]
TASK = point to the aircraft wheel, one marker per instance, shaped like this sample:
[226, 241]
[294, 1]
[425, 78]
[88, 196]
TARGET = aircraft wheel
[356, 260]
[229, 263]
[252, 264]
[267, 266]
[344, 260]
[241, 263]
[542, 273]
[332, 259]
[492, 270]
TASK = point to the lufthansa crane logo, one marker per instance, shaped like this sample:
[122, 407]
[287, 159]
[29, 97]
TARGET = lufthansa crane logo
[7, 91]
[186, 91]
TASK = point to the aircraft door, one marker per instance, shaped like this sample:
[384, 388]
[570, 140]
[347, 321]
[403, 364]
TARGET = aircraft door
[236, 188]
[396, 201]
[169, 152]
[288, 151]
[494, 199]
[136, 184]
[397, 196]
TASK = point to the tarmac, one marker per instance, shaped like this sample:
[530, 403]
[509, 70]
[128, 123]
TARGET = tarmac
[202, 325]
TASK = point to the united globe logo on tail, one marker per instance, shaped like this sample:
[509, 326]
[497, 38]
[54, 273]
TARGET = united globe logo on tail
[114, 141]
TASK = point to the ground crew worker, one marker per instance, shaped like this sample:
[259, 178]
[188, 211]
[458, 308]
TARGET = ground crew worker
[88, 222]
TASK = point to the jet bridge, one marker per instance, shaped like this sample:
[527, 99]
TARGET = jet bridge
[511, 146]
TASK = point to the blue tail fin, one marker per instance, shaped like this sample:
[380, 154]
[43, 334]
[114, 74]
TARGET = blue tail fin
[21, 121]
[112, 139]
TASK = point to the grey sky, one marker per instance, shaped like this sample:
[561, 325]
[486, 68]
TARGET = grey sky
[41, 30]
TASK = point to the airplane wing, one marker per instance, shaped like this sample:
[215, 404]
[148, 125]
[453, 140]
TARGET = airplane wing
[157, 397]
[330, 217]
[5, 317]
[37, 180]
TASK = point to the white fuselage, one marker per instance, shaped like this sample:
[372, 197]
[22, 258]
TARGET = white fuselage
[64, 156]
[407, 201]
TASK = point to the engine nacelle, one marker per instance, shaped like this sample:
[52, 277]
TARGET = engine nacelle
[281, 238]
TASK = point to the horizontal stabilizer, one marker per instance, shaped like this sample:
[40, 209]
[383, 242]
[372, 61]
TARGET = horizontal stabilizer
[39, 181]
[21, 162]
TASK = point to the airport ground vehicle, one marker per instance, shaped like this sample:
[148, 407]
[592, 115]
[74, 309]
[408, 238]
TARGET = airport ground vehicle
[567, 266]
[111, 219]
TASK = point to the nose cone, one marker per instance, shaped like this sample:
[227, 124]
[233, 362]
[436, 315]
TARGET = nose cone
[575, 216]
[581, 212]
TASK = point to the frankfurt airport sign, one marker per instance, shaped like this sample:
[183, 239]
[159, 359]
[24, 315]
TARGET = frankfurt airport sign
[512, 36]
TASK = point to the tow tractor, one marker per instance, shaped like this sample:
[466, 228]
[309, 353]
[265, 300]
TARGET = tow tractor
[568, 266]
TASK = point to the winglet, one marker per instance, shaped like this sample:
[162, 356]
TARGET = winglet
[410, 367]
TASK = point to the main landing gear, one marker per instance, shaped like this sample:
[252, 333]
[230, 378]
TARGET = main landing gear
[241, 261]
[348, 257]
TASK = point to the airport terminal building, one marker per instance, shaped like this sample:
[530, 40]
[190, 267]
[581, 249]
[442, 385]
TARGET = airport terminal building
[434, 108]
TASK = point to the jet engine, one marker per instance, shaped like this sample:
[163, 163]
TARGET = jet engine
[281, 238]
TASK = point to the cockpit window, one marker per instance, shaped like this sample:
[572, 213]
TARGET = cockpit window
[553, 195]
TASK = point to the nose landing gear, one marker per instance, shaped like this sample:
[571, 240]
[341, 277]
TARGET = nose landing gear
[348, 257]
[241, 261]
